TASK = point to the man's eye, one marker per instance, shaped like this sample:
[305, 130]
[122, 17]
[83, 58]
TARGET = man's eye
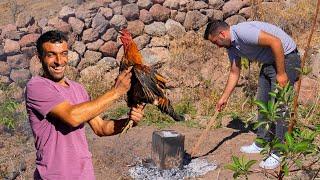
[49, 54]
[65, 53]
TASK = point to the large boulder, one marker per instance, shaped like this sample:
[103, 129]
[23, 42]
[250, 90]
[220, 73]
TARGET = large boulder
[11, 47]
[174, 29]
[18, 61]
[90, 58]
[29, 40]
[155, 55]
[62, 26]
[194, 20]
[79, 47]
[83, 13]
[94, 46]
[197, 5]
[172, 4]
[215, 4]
[16, 91]
[180, 17]
[29, 51]
[155, 29]
[99, 23]
[142, 41]
[135, 27]
[145, 16]
[233, 6]
[118, 22]
[20, 75]
[76, 24]
[73, 58]
[160, 13]
[4, 68]
[163, 41]
[24, 20]
[106, 12]
[110, 34]
[35, 66]
[130, 11]
[66, 12]
[90, 35]
[235, 19]
[144, 4]
[109, 48]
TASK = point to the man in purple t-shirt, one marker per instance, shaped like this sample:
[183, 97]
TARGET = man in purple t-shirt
[58, 108]
[275, 50]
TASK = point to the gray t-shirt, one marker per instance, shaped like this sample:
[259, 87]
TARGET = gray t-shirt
[244, 41]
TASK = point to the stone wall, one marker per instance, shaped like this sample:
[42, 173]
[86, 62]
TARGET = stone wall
[93, 37]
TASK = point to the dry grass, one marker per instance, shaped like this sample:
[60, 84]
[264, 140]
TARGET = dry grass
[296, 19]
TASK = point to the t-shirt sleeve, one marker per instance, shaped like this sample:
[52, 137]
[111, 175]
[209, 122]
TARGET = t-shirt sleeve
[248, 34]
[233, 56]
[85, 93]
[42, 97]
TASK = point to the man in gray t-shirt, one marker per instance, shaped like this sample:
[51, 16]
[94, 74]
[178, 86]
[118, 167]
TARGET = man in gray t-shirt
[274, 49]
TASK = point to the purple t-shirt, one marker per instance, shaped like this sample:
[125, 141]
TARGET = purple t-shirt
[62, 151]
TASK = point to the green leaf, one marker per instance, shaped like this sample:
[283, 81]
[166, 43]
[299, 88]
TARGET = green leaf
[249, 164]
[231, 167]
[301, 147]
[236, 161]
[262, 105]
[260, 141]
[258, 124]
[273, 94]
[289, 139]
[286, 169]
[281, 147]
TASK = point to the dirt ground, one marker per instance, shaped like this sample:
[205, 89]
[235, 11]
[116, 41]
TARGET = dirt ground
[112, 156]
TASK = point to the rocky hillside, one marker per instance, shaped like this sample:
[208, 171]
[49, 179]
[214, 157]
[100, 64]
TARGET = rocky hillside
[161, 28]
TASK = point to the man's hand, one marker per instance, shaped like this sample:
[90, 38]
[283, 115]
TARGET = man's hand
[123, 82]
[136, 113]
[282, 79]
[221, 104]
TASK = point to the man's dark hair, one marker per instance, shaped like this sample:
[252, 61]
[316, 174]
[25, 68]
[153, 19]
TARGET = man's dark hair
[214, 27]
[50, 36]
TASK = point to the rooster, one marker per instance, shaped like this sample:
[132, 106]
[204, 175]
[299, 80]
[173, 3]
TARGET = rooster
[147, 85]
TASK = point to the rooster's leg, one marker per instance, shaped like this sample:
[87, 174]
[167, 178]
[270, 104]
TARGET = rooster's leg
[165, 106]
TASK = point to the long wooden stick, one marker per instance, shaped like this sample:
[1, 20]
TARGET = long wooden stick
[204, 134]
[295, 103]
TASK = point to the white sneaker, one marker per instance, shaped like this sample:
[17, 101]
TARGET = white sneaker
[253, 148]
[272, 162]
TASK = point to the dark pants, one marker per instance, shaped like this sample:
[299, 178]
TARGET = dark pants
[267, 83]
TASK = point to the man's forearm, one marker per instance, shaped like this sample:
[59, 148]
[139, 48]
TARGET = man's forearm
[277, 50]
[231, 84]
[88, 110]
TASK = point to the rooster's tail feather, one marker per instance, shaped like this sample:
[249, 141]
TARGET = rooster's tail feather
[165, 106]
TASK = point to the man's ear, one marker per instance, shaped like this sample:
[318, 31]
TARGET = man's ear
[224, 34]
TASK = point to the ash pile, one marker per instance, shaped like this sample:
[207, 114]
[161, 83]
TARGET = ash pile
[169, 161]
[147, 170]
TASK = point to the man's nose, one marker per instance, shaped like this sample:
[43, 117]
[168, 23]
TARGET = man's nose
[59, 60]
